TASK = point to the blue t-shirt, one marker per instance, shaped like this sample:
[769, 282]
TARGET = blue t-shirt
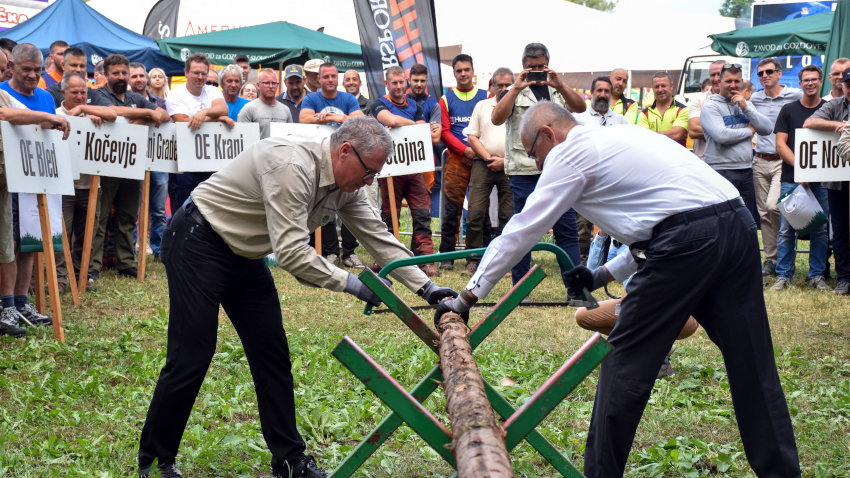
[40, 100]
[234, 108]
[344, 103]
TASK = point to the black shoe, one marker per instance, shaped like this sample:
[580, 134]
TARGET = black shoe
[769, 269]
[32, 316]
[129, 272]
[167, 472]
[304, 467]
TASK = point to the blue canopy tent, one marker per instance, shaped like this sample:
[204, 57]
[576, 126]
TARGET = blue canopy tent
[80, 25]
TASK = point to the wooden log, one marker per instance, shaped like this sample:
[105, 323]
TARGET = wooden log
[478, 442]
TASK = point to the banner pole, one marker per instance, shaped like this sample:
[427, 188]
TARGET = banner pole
[88, 234]
[50, 261]
[144, 213]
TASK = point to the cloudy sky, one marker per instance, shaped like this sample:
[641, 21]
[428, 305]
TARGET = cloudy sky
[707, 7]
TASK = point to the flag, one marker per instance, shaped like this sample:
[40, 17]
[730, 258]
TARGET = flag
[162, 20]
[398, 33]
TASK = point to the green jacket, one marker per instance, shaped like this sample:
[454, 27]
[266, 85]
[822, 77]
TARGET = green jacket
[517, 162]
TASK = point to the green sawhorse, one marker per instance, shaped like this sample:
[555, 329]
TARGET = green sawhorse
[407, 406]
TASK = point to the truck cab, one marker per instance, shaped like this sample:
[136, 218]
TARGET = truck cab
[695, 72]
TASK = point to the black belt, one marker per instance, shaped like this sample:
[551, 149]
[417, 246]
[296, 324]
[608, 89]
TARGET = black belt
[193, 212]
[770, 157]
[694, 214]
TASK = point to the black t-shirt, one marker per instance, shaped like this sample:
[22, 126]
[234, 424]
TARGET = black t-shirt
[541, 92]
[791, 117]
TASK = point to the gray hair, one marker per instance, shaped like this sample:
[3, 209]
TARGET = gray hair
[502, 71]
[544, 113]
[27, 52]
[71, 74]
[232, 69]
[365, 133]
[535, 50]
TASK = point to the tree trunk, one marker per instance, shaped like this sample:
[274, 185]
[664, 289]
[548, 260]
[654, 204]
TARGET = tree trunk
[479, 443]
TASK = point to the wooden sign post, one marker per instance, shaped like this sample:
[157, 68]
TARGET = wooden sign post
[38, 161]
[88, 235]
[161, 157]
[69, 264]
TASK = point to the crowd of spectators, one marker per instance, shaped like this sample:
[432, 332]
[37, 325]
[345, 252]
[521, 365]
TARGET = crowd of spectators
[746, 136]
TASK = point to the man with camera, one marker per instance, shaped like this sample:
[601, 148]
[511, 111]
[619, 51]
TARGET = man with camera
[535, 83]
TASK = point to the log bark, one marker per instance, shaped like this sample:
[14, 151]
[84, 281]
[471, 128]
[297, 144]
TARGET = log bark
[478, 441]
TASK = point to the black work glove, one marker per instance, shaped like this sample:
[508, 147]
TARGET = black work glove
[433, 294]
[459, 305]
[357, 288]
[580, 278]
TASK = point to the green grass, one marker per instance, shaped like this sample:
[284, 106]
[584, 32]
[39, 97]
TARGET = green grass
[76, 409]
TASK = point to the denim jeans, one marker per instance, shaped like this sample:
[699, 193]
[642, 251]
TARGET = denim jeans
[565, 229]
[158, 193]
[787, 239]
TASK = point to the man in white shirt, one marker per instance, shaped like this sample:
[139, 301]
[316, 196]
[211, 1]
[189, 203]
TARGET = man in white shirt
[195, 103]
[695, 107]
[695, 251]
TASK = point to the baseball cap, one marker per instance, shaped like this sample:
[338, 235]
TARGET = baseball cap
[313, 65]
[846, 75]
[294, 70]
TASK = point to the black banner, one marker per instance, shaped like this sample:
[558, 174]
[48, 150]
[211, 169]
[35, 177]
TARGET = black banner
[398, 33]
[162, 20]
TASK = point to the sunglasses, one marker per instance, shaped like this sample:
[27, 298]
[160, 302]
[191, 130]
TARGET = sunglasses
[212, 83]
[731, 67]
[766, 72]
[369, 173]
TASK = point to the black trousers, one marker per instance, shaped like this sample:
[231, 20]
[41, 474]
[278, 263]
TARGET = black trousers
[330, 240]
[708, 267]
[742, 179]
[204, 273]
[838, 212]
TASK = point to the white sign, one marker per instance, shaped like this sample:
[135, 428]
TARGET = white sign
[28, 218]
[37, 160]
[115, 150]
[213, 145]
[816, 157]
[162, 148]
[412, 149]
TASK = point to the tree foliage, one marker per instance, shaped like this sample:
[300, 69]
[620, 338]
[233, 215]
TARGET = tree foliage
[604, 5]
[735, 8]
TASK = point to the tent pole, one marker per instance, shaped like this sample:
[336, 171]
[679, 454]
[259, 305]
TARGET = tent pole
[280, 77]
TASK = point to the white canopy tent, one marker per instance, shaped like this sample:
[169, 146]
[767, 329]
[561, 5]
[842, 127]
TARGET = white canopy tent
[580, 39]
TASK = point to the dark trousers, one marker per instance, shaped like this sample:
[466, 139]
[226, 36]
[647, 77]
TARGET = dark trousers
[709, 268]
[204, 273]
[457, 179]
[565, 229]
[411, 188]
[742, 179]
[838, 213]
[123, 194]
[74, 210]
[481, 183]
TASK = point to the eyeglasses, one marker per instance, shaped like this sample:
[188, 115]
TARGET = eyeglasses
[530, 151]
[767, 72]
[269, 83]
[212, 83]
[810, 80]
[369, 173]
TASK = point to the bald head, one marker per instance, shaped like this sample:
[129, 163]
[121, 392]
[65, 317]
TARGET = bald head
[619, 80]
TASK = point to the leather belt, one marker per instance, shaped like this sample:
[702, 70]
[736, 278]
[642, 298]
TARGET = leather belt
[193, 212]
[767, 156]
[694, 214]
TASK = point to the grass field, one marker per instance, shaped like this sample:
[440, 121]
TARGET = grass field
[76, 409]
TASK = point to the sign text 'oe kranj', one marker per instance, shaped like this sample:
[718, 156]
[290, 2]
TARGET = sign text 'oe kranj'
[213, 145]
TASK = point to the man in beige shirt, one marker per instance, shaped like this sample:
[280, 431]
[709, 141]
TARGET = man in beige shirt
[270, 198]
[488, 169]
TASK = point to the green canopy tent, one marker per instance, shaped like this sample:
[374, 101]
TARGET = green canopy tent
[274, 44]
[838, 45]
[801, 36]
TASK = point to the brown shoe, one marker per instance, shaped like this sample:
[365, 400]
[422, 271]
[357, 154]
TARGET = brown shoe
[430, 270]
[470, 268]
[375, 267]
[447, 265]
